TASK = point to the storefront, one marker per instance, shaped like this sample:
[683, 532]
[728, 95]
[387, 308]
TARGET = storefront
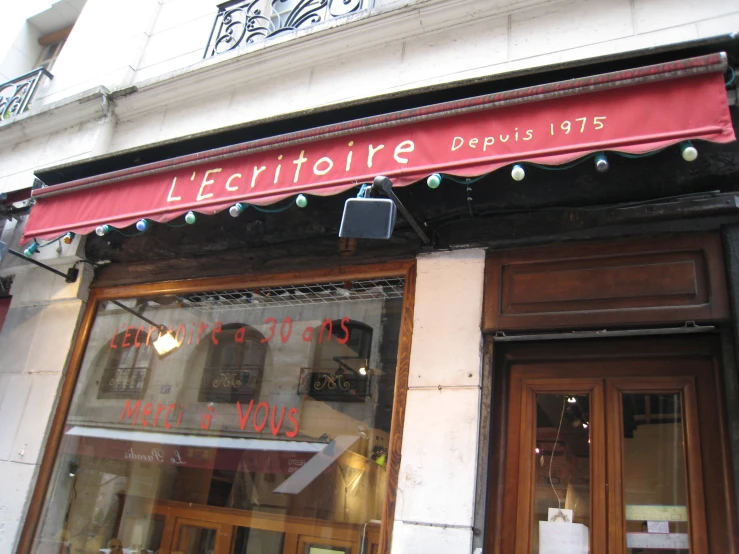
[273, 422]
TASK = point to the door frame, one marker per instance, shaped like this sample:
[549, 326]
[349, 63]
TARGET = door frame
[709, 399]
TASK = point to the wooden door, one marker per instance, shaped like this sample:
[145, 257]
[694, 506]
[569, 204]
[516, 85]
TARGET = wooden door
[624, 440]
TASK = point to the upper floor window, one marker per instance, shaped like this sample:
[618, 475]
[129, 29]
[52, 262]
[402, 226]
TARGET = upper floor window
[245, 22]
[52, 45]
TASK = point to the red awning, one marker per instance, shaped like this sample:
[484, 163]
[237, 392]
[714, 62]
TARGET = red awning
[634, 111]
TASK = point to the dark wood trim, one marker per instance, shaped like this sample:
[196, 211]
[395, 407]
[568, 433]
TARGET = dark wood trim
[497, 476]
[629, 282]
[56, 430]
[399, 403]
[406, 268]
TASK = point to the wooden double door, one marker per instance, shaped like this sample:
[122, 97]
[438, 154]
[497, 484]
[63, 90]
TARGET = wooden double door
[610, 446]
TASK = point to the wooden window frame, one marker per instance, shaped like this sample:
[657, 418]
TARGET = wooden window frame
[402, 268]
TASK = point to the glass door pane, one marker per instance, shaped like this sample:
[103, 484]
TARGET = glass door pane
[561, 507]
[654, 479]
[196, 540]
[257, 541]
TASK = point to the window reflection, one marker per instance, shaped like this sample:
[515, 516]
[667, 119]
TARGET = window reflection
[222, 441]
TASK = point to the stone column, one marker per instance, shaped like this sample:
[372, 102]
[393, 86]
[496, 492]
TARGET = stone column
[436, 487]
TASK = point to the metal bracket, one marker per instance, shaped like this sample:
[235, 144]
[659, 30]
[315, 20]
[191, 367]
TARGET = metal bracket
[386, 186]
[70, 276]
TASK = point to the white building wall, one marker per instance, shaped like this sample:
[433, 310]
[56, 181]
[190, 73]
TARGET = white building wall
[35, 343]
[436, 486]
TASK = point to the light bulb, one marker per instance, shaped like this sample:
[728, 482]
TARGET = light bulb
[434, 180]
[601, 163]
[537, 450]
[301, 201]
[68, 238]
[190, 218]
[31, 250]
[688, 151]
[165, 344]
[142, 225]
[585, 425]
[572, 400]
[363, 371]
[236, 209]
[102, 230]
[518, 173]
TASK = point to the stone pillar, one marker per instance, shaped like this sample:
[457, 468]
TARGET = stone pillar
[436, 487]
[35, 343]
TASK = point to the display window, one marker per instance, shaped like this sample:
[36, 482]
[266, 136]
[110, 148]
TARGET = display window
[248, 420]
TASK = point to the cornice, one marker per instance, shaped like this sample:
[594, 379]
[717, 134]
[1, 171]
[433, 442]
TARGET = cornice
[45, 119]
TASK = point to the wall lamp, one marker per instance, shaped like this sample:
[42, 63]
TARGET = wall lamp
[165, 343]
[70, 276]
[365, 217]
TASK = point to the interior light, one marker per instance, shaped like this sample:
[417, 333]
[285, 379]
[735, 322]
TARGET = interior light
[68, 238]
[362, 371]
[688, 151]
[72, 469]
[165, 344]
[102, 230]
[301, 201]
[237, 209]
[434, 180]
[601, 163]
[571, 399]
[142, 225]
[537, 450]
[31, 250]
[518, 173]
[585, 425]
[190, 218]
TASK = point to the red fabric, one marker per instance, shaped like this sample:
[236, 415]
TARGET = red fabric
[635, 119]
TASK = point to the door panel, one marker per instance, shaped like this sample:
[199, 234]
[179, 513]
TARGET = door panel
[537, 484]
[653, 451]
[654, 410]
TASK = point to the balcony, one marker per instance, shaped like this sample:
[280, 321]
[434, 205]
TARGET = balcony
[239, 23]
[16, 94]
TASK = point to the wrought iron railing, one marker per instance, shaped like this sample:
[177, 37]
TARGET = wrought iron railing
[243, 22]
[16, 94]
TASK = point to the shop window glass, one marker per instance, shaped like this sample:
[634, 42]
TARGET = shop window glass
[257, 464]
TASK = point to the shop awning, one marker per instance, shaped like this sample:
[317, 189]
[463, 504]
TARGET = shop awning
[178, 449]
[634, 111]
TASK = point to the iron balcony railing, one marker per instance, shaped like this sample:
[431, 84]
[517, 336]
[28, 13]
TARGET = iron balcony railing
[246, 22]
[16, 94]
